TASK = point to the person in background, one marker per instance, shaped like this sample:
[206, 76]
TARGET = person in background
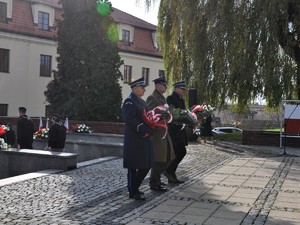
[162, 148]
[137, 152]
[178, 135]
[57, 135]
[206, 130]
[25, 130]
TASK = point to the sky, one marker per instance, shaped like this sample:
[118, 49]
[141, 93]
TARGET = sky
[137, 9]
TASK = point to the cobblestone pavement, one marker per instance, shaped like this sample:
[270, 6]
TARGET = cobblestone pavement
[222, 187]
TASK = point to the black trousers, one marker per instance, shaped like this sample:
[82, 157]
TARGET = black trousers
[135, 178]
[180, 152]
[178, 138]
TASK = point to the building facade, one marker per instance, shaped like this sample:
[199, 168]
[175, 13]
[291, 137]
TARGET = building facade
[28, 53]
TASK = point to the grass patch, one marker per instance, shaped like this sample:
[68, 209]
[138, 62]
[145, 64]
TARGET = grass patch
[274, 130]
[233, 137]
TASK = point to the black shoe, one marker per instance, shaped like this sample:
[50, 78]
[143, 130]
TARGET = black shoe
[137, 197]
[175, 181]
[159, 188]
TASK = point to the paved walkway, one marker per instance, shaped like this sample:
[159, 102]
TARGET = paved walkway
[223, 186]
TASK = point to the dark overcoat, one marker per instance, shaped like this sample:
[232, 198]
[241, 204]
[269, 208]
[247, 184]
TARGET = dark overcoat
[57, 136]
[137, 152]
[205, 129]
[161, 147]
[176, 132]
[25, 131]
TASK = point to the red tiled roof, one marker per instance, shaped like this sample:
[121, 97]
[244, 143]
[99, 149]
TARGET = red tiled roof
[142, 40]
[22, 24]
[142, 44]
[123, 17]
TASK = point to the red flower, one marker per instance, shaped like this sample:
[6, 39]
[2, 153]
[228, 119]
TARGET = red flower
[2, 131]
[158, 117]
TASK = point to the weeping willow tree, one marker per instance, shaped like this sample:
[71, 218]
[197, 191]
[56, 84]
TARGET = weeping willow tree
[232, 50]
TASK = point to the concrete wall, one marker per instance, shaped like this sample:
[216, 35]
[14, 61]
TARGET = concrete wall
[17, 162]
[268, 139]
[89, 146]
[4, 169]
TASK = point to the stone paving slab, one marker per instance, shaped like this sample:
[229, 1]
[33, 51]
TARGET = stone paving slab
[221, 187]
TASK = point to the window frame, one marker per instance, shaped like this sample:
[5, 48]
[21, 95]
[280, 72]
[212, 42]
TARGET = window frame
[145, 75]
[3, 18]
[41, 24]
[126, 36]
[161, 73]
[4, 62]
[127, 74]
[45, 65]
[47, 111]
[3, 109]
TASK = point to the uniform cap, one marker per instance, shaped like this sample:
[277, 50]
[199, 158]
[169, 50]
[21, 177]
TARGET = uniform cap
[160, 80]
[180, 84]
[138, 82]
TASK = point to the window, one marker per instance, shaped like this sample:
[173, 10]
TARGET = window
[127, 74]
[43, 20]
[47, 111]
[45, 66]
[3, 109]
[126, 33]
[43, 15]
[145, 74]
[126, 36]
[161, 73]
[154, 39]
[4, 60]
[3, 12]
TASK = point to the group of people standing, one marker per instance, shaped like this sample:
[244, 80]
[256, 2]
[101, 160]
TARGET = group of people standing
[25, 131]
[144, 148]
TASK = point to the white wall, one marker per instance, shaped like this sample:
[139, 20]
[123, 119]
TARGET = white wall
[23, 86]
[138, 62]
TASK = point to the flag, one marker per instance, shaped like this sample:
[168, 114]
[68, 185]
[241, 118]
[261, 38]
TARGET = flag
[41, 123]
[47, 123]
[67, 123]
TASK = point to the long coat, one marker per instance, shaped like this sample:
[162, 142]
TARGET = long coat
[137, 152]
[162, 148]
[25, 131]
[178, 136]
[57, 136]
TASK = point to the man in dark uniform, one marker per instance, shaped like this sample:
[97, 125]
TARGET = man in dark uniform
[57, 135]
[178, 135]
[137, 155]
[25, 130]
[162, 148]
